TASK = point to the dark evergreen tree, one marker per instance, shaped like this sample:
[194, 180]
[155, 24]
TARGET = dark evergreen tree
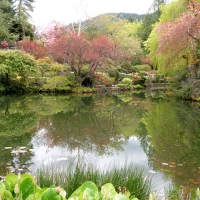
[15, 20]
[21, 25]
[6, 14]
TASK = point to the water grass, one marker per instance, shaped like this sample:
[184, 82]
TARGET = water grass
[73, 174]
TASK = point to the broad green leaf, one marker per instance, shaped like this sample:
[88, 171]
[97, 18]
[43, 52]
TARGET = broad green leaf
[108, 191]
[133, 198]
[44, 188]
[51, 194]
[27, 187]
[1, 184]
[7, 195]
[2, 189]
[37, 197]
[87, 190]
[127, 194]
[24, 176]
[119, 196]
[62, 192]
[11, 179]
[39, 190]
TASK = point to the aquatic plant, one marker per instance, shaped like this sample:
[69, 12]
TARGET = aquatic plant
[72, 175]
[24, 187]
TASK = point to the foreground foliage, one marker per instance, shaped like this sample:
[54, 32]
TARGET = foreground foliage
[123, 178]
[25, 187]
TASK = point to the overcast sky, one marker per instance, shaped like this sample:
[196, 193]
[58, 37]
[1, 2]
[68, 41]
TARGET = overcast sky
[67, 11]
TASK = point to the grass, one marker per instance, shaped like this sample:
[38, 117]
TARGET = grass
[72, 175]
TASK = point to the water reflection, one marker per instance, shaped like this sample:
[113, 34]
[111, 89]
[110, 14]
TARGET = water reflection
[161, 135]
[173, 129]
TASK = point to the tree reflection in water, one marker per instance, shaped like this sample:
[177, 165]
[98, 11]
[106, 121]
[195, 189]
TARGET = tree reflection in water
[103, 126]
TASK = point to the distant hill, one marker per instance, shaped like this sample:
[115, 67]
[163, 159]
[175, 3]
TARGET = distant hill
[129, 16]
[90, 25]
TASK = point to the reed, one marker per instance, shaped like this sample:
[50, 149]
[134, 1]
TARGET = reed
[72, 175]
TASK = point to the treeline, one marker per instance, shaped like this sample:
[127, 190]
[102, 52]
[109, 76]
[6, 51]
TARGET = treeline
[166, 38]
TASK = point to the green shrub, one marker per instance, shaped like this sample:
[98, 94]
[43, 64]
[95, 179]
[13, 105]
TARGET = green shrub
[15, 68]
[57, 83]
[126, 81]
[114, 73]
[134, 69]
[57, 67]
[125, 67]
[15, 63]
[71, 77]
[44, 68]
[143, 67]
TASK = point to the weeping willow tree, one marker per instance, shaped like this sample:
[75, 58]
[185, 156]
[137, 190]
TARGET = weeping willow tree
[170, 44]
[168, 62]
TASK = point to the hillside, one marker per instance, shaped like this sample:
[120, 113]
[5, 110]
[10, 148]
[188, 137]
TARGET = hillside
[130, 16]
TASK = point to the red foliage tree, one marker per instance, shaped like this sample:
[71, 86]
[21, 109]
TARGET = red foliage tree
[101, 49]
[70, 49]
[181, 33]
[34, 48]
[145, 59]
[78, 50]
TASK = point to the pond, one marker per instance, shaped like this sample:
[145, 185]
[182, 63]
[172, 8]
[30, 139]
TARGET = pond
[161, 134]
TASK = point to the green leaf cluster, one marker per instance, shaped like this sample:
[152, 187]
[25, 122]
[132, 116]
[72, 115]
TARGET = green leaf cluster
[127, 81]
[89, 190]
[24, 187]
[57, 83]
[15, 61]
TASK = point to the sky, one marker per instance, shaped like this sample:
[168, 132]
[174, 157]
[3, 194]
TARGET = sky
[68, 11]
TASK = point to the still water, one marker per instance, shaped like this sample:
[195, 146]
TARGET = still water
[160, 134]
